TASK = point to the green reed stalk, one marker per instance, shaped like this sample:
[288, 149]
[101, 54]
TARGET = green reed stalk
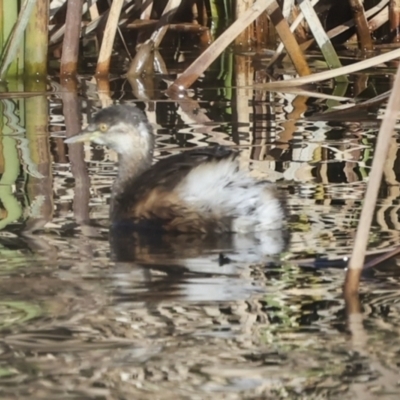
[9, 18]
[36, 40]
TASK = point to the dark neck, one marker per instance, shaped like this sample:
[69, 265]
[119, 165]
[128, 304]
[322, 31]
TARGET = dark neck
[130, 166]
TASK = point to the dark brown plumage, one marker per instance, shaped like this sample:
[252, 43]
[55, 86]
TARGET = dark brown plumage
[149, 200]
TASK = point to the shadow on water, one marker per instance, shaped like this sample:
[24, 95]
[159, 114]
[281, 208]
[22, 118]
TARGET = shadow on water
[89, 313]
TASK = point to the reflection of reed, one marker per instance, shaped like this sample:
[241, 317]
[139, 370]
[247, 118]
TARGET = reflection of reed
[9, 168]
[386, 378]
[72, 114]
[243, 79]
[104, 92]
[9, 161]
[200, 125]
[39, 188]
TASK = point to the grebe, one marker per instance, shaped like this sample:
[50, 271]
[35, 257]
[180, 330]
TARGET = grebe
[200, 190]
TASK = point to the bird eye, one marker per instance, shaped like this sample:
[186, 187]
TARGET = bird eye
[103, 127]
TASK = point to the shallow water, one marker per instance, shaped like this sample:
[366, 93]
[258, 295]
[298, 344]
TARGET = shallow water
[87, 315]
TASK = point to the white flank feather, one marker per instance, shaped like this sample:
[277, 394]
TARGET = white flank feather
[221, 189]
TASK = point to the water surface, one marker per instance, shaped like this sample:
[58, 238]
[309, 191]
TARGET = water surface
[89, 315]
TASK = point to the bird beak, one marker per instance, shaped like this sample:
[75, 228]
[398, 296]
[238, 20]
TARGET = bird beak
[87, 135]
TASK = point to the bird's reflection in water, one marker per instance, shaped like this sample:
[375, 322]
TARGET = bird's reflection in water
[190, 267]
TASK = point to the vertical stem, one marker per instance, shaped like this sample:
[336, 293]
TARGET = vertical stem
[9, 16]
[364, 37]
[13, 32]
[103, 63]
[246, 36]
[2, 11]
[36, 40]
[70, 49]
